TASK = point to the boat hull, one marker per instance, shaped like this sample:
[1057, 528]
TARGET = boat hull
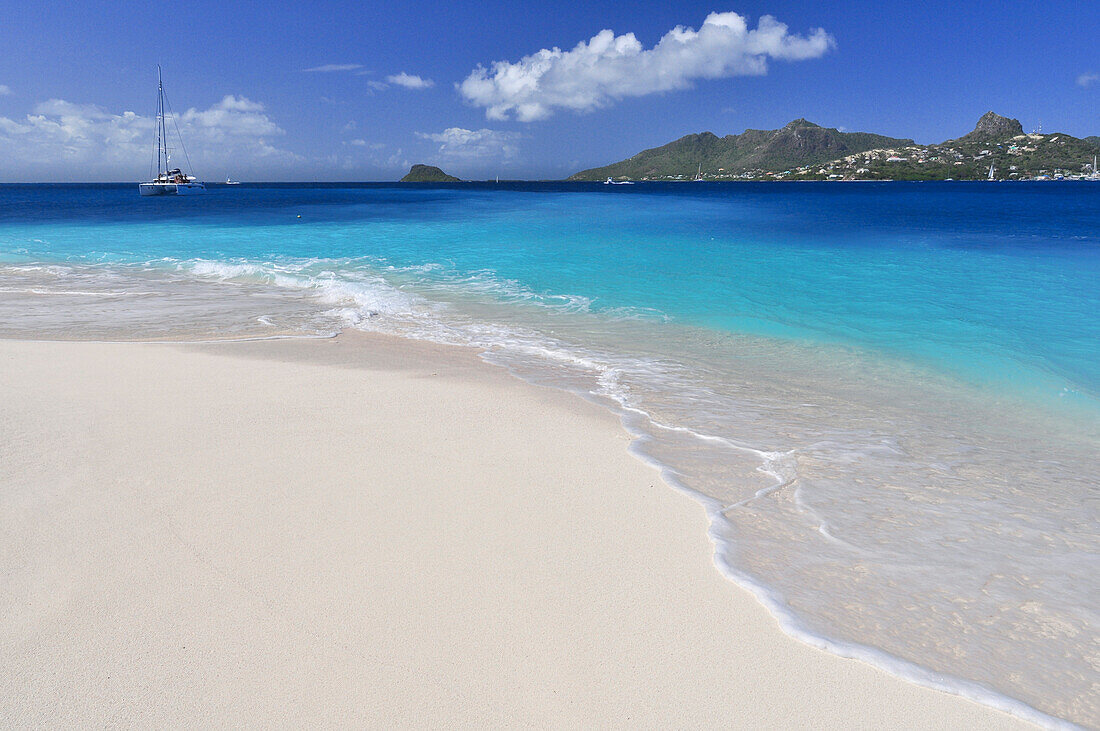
[171, 188]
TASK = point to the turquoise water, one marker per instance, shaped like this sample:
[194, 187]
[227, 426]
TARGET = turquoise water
[888, 395]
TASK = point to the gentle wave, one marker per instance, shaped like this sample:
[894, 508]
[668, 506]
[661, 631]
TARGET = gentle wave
[529, 352]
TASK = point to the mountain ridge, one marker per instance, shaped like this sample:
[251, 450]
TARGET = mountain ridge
[797, 142]
[803, 150]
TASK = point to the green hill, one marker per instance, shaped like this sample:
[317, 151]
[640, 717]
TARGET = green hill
[799, 143]
[805, 151]
[996, 141]
[428, 174]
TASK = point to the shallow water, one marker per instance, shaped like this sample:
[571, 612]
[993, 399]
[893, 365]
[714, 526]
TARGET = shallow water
[888, 395]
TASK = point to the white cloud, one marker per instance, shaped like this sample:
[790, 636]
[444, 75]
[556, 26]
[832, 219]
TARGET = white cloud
[330, 67]
[607, 67]
[68, 110]
[1087, 79]
[84, 141]
[230, 103]
[409, 81]
[5, 90]
[359, 142]
[468, 144]
[233, 116]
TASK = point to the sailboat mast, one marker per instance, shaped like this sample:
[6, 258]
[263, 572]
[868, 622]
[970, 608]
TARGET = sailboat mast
[156, 128]
[162, 132]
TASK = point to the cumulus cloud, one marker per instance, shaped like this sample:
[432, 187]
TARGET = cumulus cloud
[233, 117]
[409, 81]
[607, 67]
[1087, 79]
[468, 144]
[330, 67]
[230, 103]
[88, 142]
[5, 90]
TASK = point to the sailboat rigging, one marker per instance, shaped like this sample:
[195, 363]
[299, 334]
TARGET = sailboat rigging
[168, 181]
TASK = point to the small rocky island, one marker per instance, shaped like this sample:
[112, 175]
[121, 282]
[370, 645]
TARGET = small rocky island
[428, 174]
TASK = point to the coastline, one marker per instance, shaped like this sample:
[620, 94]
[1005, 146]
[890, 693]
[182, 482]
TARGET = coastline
[368, 529]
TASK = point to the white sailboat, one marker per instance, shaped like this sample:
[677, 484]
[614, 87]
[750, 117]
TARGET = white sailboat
[990, 172]
[168, 181]
[230, 181]
[699, 174]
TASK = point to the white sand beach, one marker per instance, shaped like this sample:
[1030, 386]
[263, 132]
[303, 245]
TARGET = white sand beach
[366, 531]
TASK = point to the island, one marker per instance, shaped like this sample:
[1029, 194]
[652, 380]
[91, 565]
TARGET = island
[428, 174]
[997, 148]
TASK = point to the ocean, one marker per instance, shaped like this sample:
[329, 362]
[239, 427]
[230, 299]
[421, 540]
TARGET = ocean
[887, 395]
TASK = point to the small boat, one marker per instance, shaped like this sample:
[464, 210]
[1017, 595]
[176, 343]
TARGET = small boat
[168, 181]
[231, 182]
[609, 181]
[991, 172]
[699, 174]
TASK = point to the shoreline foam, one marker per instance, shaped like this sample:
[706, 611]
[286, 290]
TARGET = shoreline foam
[150, 573]
[768, 597]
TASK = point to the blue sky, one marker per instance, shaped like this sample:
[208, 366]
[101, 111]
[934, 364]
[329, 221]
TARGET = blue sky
[398, 83]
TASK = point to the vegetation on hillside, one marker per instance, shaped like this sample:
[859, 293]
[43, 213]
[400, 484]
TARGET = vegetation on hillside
[428, 174]
[799, 143]
[805, 151]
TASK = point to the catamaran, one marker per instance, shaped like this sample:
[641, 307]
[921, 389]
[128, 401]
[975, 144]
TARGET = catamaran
[169, 181]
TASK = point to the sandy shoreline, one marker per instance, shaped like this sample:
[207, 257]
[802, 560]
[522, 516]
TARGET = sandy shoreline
[368, 530]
